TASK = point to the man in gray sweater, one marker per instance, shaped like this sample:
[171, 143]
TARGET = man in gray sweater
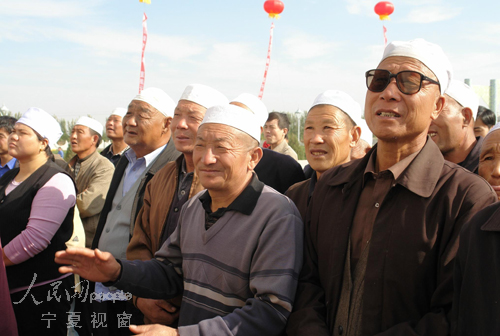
[227, 255]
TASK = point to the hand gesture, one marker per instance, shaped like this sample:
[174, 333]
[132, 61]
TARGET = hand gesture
[92, 265]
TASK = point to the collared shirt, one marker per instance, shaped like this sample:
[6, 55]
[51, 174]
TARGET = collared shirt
[136, 166]
[8, 166]
[244, 203]
[114, 158]
[185, 181]
[181, 196]
[375, 188]
[78, 163]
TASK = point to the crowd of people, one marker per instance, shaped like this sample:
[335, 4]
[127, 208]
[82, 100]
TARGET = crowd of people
[186, 224]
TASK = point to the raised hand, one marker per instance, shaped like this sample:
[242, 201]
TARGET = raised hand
[93, 265]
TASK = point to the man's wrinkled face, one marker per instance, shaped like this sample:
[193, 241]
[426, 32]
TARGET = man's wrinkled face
[143, 127]
[187, 118]
[222, 157]
[489, 161]
[448, 129]
[327, 137]
[397, 117]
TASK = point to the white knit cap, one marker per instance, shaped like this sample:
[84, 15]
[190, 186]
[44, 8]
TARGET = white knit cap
[119, 111]
[342, 101]
[430, 54]
[463, 95]
[203, 95]
[255, 105]
[90, 123]
[43, 123]
[234, 116]
[158, 99]
[366, 133]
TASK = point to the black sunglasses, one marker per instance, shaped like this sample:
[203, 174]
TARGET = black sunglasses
[408, 82]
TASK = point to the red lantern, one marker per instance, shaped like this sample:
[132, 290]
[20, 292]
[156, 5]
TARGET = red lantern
[384, 9]
[273, 8]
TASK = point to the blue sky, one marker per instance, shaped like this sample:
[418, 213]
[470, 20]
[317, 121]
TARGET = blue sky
[74, 57]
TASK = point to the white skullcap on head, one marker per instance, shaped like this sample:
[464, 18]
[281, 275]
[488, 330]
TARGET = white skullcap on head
[119, 111]
[43, 123]
[90, 123]
[158, 99]
[234, 116]
[430, 54]
[366, 133]
[464, 95]
[493, 129]
[255, 105]
[342, 101]
[203, 95]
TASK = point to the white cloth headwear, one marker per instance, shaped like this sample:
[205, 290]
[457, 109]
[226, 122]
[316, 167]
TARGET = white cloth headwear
[342, 101]
[493, 129]
[90, 123]
[464, 95]
[43, 123]
[158, 99]
[119, 111]
[255, 105]
[203, 95]
[430, 54]
[366, 133]
[234, 116]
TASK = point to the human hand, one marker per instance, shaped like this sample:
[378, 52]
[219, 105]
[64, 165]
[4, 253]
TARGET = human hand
[93, 265]
[157, 311]
[153, 330]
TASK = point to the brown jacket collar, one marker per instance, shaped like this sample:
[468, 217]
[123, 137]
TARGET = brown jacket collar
[420, 177]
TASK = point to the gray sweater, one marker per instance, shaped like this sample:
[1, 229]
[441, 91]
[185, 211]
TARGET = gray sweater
[237, 278]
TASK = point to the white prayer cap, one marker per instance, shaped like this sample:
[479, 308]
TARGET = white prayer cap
[464, 95]
[203, 95]
[430, 54]
[255, 105]
[90, 123]
[234, 116]
[119, 111]
[366, 133]
[493, 129]
[43, 123]
[158, 99]
[342, 101]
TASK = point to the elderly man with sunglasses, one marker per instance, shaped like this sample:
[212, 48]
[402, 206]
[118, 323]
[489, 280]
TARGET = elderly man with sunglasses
[382, 231]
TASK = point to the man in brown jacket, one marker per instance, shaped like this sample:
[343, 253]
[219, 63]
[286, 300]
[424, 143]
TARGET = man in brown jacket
[331, 131]
[168, 191]
[382, 232]
[92, 173]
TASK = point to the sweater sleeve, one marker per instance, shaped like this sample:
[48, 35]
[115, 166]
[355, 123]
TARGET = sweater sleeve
[159, 278]
[48, 210]
[273, 281]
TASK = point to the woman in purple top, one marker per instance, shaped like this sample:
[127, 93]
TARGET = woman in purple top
[37, 202]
